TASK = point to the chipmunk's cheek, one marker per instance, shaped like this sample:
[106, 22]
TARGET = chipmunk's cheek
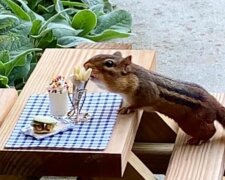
[94, 78]
[94, 75]
[98, 80]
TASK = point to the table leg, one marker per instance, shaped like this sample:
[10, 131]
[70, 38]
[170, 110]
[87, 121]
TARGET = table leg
[148, 130]
[135, 170]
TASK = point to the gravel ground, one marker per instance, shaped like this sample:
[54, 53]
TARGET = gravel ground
[189, 37]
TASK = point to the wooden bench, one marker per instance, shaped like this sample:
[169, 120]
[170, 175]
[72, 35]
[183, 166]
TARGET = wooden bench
[7, 99]
[204, 162]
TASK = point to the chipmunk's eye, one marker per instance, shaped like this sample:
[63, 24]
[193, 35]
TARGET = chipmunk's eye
[109, 63]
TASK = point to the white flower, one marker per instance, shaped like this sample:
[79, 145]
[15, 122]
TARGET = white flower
[81, 74]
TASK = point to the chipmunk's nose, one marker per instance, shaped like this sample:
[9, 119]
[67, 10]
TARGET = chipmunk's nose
[87, 65]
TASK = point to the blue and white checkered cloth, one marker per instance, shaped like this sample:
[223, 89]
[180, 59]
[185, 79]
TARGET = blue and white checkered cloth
[93, 134]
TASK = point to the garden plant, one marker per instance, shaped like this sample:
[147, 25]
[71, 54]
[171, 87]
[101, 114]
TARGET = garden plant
[27, 27]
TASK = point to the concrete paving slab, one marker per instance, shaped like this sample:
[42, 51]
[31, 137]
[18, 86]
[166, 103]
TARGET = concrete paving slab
[189, 37]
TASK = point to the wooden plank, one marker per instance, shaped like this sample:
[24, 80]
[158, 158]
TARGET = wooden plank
[170, 122]
[7, 99]
[203, 162]
[118, 46]
[110, 162]
[138, 165]
[155, 156]
[153, 148]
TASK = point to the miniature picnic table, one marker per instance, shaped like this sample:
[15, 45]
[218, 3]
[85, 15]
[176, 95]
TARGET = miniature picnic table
[110, 162]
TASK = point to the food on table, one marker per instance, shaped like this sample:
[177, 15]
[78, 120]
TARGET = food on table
[81, 74]
[58, 85]
[43, 124]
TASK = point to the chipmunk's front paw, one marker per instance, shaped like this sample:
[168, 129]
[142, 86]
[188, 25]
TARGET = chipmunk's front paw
[194, 141]
[125, 110]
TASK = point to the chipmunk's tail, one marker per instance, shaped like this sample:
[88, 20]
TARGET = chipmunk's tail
[220, 116]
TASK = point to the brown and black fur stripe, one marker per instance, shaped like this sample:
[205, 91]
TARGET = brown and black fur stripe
[179, 92]
[174, 91]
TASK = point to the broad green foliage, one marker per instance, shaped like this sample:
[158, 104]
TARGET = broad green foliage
[27, 27]
[85, 20]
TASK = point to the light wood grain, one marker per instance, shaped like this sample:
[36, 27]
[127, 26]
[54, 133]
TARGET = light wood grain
[153, 148]
[107, 45]
[7, 99]
[110, 162]
[170, 122]
[155, 156]
[204, 162]
[138, 165]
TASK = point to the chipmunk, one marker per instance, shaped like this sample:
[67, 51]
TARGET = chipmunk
[191, 106]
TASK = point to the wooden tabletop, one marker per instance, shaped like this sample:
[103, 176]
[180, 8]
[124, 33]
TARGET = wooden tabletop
[110, 162]
[8, 98]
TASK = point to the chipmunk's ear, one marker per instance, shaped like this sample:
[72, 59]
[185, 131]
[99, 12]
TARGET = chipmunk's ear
[117, 53]
[126, 64]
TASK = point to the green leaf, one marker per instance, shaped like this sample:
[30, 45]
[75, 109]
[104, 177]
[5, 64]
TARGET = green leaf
[74, 4]
[105, 3]
[46, 40]
[92, 2]
[118, 20]
[7, 21]
[15, 39]
[52, 19]
[20, 60]
[33, 3]
[85, 20]
[18, 10]
[4, 56]
[32, 14]
[61, 30]
[59, 8]
[3, 81]
[71, 41]
[43, 8]
[98, 9]
[36, 25]
[19, 73]
[107, 35]
[42, 34]
[2, 68]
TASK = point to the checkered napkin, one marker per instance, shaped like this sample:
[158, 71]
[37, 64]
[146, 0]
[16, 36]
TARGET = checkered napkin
[93, 134]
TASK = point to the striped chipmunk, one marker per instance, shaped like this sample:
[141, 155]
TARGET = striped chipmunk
[191, 106]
